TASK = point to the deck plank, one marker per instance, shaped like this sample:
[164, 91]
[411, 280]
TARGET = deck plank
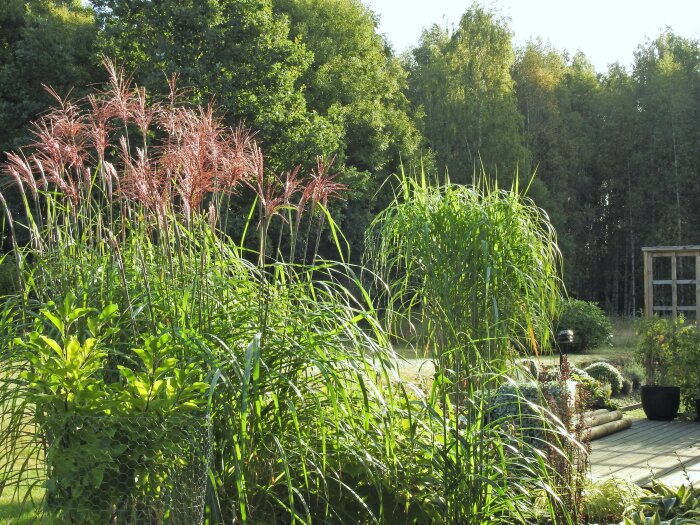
[667, 450]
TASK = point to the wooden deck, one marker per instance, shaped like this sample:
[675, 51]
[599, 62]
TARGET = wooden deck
[667, 450]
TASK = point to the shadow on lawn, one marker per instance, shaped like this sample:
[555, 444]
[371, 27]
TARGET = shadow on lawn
[14, 513]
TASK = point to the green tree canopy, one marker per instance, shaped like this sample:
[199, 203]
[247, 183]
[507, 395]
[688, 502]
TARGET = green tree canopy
[538, 74]
[42, 43]
[462, 80]
[236, 52]
[358, 84]
[667, 76]
[355, 79]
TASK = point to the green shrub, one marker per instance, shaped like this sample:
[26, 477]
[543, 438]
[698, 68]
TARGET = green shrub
[670, 354]
[607, 500]
[114, 435]
[684, 364]
[607, 373]
[590, 325]
[549, 373]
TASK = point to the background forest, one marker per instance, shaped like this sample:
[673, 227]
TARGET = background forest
[615, 153]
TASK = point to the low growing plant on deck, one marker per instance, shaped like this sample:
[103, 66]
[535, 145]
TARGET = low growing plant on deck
[670, 353]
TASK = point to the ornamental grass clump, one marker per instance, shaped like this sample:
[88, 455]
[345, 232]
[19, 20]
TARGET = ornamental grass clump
[469, 264]
[474, 269]
[607, 500]
[125, 202]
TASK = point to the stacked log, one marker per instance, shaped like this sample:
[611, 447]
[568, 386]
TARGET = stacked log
[604, 422]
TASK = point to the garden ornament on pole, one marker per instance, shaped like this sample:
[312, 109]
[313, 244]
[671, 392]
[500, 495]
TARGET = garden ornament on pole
[564, 341]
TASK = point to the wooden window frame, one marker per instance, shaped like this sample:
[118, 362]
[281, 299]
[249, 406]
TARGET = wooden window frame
[654, 252]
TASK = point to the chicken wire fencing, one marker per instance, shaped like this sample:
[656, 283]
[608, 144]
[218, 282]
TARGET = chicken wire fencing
[116, 470]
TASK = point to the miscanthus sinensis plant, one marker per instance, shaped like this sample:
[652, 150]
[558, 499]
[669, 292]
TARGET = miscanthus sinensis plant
[470, 277]
[125, 202]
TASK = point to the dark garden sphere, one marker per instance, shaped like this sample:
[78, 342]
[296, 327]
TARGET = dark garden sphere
[661, 403]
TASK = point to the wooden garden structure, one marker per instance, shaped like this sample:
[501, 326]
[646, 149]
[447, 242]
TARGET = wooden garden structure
[672, 281]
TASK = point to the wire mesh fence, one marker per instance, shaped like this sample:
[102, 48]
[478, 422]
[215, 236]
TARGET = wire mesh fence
[117, 470]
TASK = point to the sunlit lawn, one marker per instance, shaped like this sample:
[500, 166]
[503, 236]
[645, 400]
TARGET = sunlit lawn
[620, 352]
[11, 508]
[18, 504]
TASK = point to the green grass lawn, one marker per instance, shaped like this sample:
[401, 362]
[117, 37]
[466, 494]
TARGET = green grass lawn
[619, 352]
[14, 512]
[18, 504]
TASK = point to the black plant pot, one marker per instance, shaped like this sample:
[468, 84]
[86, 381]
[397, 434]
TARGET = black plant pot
[661, 403]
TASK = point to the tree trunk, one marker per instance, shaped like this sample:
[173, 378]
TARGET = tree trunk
[679, 239]
[633, 256]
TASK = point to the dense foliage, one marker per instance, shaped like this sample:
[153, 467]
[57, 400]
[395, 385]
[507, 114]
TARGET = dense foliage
[131, 297]
[133, 304]
[606, 373]
[462, 80]
[112, 435]
[670, 353]
[611, 155]
[209, 45]
[517, 404]
[665, 504]
[590, 325]
[27, 30]
[356, 83]
[131, 227]
[502, 295]
[469, 275]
